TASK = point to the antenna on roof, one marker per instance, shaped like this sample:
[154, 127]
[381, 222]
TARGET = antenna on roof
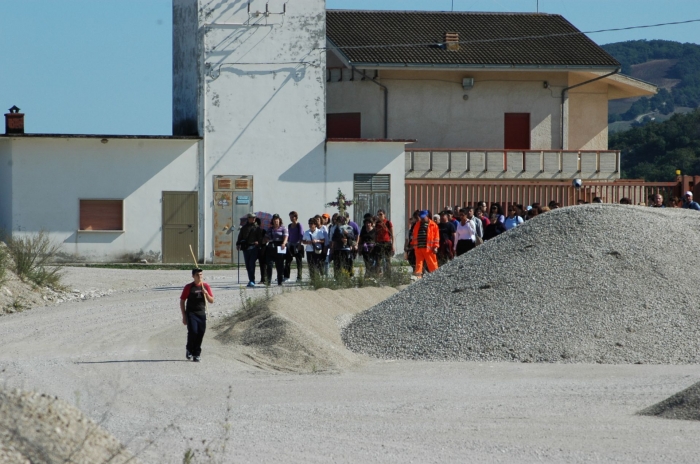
[538, 6]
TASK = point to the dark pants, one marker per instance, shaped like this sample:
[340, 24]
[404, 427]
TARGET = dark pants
[250, 256]
[382, 256]
[196, 326]
[316, 261]
[342, 261]
[463, 246]
[370, 263]
[293, 253]
[277, 260]
[262, 258]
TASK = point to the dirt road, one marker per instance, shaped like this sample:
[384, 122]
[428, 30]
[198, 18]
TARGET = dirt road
[120, 359]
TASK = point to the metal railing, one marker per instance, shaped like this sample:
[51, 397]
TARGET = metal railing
[459, 161]
[436, 194]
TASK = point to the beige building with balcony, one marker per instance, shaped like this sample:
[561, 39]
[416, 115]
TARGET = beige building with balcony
[486, 95]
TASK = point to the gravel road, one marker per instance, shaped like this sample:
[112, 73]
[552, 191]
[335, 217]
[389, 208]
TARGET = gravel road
[120, 359]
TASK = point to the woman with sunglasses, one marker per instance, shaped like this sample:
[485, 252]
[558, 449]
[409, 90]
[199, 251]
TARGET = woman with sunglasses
[513, 219]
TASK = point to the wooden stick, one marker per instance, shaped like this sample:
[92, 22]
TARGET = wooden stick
[206, 306]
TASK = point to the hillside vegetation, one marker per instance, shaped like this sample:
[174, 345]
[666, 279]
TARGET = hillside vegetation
[654, 151]
[673, 66]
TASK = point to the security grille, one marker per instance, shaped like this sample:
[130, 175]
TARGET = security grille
[371, 193]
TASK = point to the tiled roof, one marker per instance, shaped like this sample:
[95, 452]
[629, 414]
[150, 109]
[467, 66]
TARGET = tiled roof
[347, 29]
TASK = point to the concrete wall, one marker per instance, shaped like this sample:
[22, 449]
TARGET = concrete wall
[587, 115]
[51, 175]
[346, 158]
[263, 106]
[430, 107]
[5, 185]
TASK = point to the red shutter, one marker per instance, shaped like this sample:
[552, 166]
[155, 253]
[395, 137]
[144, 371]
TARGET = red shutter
[517, 131]
[343, 126]
[101, 214]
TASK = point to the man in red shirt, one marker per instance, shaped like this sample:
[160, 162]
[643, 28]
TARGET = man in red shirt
[193, 305]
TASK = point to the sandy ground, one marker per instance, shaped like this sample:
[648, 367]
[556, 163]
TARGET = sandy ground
[120, 358]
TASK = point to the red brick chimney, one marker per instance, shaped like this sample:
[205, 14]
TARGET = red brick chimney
[14, 121]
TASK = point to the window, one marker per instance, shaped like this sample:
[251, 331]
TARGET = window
[102, 215]
[371, 192]
[343, 125]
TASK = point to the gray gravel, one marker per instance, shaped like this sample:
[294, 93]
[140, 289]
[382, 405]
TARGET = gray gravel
[593, 283]
[683, 405]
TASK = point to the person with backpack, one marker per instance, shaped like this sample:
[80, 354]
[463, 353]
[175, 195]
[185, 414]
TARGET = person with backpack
[249, 238]
[343, 243]
[295, 249]
[384, 248]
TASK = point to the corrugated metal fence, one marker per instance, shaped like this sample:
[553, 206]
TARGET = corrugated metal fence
[434, 195]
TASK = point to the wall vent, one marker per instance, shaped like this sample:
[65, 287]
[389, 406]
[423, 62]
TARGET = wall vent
[452, 41]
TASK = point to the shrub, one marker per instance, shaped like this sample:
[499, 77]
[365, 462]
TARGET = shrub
[32, 259]
[3, 262]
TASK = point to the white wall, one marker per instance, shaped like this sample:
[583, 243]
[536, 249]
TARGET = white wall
[51, 175]
[348, 158]
[5, 185]
[264, 105]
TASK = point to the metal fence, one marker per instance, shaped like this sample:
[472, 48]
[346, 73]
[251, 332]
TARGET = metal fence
[435, 195]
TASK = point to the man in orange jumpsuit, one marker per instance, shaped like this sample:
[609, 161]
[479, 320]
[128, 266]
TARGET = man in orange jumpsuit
[425, 240]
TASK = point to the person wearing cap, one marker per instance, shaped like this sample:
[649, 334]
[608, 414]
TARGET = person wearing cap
[249, 237]
[193, 306]
[425, 241]
[688, 202]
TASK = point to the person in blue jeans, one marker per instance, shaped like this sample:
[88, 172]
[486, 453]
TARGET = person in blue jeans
[249, 237]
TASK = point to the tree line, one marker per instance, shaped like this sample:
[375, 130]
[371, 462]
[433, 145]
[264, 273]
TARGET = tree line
[655, 151]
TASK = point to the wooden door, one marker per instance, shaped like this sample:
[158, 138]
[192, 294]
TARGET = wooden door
[517, 131]
[180, 226]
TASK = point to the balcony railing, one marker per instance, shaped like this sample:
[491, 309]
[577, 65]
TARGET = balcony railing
[499, 163]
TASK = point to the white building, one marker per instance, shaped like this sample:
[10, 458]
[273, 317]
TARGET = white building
[249, 134]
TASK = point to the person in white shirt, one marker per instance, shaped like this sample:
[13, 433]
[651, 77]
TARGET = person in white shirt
[513, 219]
[315, 240]
[465, 234]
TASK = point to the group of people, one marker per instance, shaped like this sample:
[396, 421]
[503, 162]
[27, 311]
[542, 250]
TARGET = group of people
[437, 239]
[329, 239]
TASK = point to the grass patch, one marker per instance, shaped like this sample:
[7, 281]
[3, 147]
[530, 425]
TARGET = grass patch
[399, 276]
[161, 267]
[33, 259]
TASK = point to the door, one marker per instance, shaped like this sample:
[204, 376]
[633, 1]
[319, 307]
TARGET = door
[517, 131]
[180, 226]
[233, 199]
[371, 193]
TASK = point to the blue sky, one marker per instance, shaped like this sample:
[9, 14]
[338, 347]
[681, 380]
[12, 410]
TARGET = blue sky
[103, 66]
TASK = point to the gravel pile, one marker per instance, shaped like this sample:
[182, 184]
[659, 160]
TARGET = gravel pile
[683, 405]
[40, 428]
[592, 283]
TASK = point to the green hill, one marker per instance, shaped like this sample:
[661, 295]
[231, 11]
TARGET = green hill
[673, 66]
[654, 151]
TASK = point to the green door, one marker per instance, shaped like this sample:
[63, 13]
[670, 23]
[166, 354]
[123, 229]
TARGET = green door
[180, 226]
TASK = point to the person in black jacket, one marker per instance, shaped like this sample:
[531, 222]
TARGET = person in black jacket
[249, 238]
